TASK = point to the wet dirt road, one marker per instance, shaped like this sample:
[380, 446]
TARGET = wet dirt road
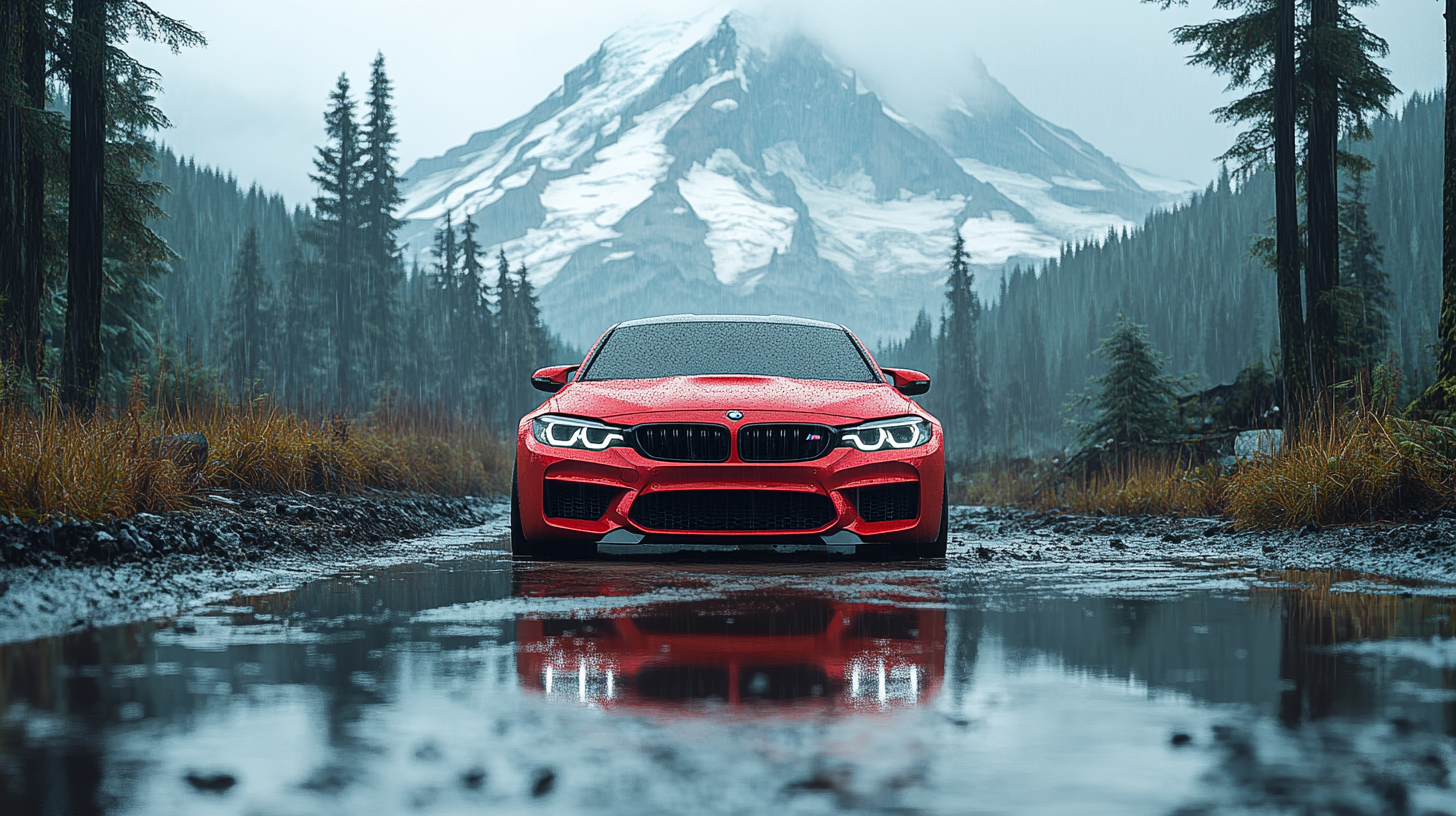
[473, 684]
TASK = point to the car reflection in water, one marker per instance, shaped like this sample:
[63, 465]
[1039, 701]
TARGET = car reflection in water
[796, 652]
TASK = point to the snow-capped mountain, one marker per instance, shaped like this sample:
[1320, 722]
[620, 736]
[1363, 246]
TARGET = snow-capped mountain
[702, 167]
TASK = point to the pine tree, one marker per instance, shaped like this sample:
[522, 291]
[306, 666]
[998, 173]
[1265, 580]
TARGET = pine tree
[380, 197]
[40, 128]
[338, 237]
[1333, 57]
[964, 403]
[1134, 402]
[250, 327]
[300, 337]
[1256, 50]
[1439, 401]
[81, 363]
[1364, 294]
[112, 252]
[1346, 84]
[479, 336]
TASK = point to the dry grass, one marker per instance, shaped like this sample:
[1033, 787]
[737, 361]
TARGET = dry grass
[1143, 485]
[1148, 486]
[56, 464]
[1361, 467]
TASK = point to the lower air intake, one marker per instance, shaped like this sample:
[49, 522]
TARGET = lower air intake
[574, 500]
[892, 502]
[732, 511]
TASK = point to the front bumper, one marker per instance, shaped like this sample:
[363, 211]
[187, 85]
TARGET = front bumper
[627, 475]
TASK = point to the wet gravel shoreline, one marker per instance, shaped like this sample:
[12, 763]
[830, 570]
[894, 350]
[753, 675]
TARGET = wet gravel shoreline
[65, 577]
[1415, 551]
[230, 529]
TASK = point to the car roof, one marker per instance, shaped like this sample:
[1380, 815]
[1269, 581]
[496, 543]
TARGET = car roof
[695, 318]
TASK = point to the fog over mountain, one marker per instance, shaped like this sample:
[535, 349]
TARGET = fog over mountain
[716, 165]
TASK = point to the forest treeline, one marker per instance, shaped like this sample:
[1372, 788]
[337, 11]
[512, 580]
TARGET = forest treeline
[1193, 276]
[316, 306]
[123, 266]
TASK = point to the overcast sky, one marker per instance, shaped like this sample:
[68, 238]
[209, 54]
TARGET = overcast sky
[252, 101]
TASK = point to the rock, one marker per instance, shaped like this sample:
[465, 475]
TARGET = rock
[545, 781]
[1174, 538]
[474, 779]
[1249, 444]
[187, 451]
[211, 783]
[1182, 739]
[1117, 544]
[984, 554]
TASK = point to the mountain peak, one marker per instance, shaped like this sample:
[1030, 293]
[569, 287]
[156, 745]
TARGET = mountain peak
[718, 164]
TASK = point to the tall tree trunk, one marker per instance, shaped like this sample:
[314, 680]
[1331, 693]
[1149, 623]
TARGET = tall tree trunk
[12, 118]
[81, 360]
[1292, 342]
[1446, 367]
[1438, 403]
[33, 75]
[1321, 269]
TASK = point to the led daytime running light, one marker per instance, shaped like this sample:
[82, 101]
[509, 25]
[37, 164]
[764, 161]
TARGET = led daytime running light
[894, 434]
[565, 432]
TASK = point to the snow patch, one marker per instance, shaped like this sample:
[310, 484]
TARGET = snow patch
[1172, 188]
[725, 105]
[868, 238]
[619, 256]
[583, 208]
[897, 117]
[744, 229]
[431, 197]
[996, 239]
[1063, 221]
[520, 179]
[1074, 145]
[1033, 141]
[1079, 184]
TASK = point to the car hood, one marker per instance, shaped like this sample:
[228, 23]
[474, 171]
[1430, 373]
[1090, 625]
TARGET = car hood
[631, 401]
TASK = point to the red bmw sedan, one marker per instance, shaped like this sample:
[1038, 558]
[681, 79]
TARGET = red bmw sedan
[705, 433]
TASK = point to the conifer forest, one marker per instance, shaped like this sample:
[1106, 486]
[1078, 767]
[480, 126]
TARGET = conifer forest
[126, 266]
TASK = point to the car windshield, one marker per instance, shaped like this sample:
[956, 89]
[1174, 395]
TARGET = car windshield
[754, 348]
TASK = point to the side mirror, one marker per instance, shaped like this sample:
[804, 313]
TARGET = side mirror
[553, 378]
[908, 382]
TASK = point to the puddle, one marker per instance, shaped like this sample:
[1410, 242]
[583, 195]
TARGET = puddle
[632, 688]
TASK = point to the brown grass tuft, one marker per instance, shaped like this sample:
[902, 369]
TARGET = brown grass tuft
[54, 463]
[1360, 468]
[1141, 485]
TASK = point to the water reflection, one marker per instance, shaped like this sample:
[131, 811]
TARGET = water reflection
[641, 688]
[753, 648]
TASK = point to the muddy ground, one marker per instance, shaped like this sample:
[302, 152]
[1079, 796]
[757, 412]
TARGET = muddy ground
[62, 578]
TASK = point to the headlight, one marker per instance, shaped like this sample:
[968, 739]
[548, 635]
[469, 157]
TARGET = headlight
[570, 432]
[887, 434]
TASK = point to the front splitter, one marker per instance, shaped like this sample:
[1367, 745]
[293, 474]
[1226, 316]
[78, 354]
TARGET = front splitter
[705, 547]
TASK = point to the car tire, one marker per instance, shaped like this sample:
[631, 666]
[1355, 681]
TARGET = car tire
[937, 548]
[522, 547]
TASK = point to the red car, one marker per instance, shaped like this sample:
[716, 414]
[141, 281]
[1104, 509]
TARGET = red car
[713, 433]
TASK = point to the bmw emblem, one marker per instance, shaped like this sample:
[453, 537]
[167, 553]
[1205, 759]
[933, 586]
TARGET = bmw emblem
[735, 415]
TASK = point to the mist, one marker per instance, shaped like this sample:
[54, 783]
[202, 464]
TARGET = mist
[252, 101]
